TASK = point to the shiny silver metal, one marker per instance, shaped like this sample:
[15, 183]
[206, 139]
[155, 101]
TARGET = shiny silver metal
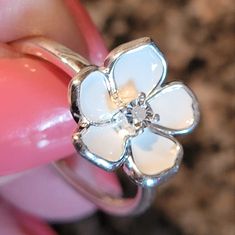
[51, 51]
[79, 68]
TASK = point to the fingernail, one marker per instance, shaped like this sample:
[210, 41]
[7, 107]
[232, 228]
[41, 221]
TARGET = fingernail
[36, 124]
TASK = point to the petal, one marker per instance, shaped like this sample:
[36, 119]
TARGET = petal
[90, 96]
[177, 108]
[104, 145]
[154, 157]
[137, 66]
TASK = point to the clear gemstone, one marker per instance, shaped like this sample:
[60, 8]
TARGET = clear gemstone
[122, 125]
[134, 117]
[138, 113]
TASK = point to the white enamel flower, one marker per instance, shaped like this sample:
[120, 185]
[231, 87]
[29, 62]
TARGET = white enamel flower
[127, 116]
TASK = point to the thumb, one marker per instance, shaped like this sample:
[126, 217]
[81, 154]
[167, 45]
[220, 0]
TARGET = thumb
[52, 19]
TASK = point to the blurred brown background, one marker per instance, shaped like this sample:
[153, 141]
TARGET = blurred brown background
[198, 40]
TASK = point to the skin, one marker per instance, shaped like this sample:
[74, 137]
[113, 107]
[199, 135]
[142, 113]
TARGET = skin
[27, 18]
[27, 181]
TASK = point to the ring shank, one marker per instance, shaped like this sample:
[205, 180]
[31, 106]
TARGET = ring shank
[71, 63]
[53, 52]
[111, 204]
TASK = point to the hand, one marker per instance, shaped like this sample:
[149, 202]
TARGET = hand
[35, 122]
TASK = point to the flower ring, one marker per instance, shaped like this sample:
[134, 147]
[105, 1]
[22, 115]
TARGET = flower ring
[127, 116]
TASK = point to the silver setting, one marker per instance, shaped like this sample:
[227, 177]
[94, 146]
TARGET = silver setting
[135, 115]
[138, 112]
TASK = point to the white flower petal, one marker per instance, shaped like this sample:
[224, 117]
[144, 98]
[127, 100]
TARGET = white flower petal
[177, 108]
[94, 98]
[139, 68]
[154, 153]
[103, 145]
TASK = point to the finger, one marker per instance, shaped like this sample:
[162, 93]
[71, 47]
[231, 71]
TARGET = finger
[7, 52]
[36, 124]
[52, 19]
[14, 222]
[41, 192]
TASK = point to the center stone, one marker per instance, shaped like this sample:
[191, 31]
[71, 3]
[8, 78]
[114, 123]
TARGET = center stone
[138, 113]
[135, 116]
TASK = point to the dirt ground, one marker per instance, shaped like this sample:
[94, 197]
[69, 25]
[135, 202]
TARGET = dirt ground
[198, 40]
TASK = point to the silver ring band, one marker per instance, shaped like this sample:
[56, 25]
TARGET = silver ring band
[71, 63]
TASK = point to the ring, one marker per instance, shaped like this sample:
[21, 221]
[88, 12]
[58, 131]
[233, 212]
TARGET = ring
[127, 117]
